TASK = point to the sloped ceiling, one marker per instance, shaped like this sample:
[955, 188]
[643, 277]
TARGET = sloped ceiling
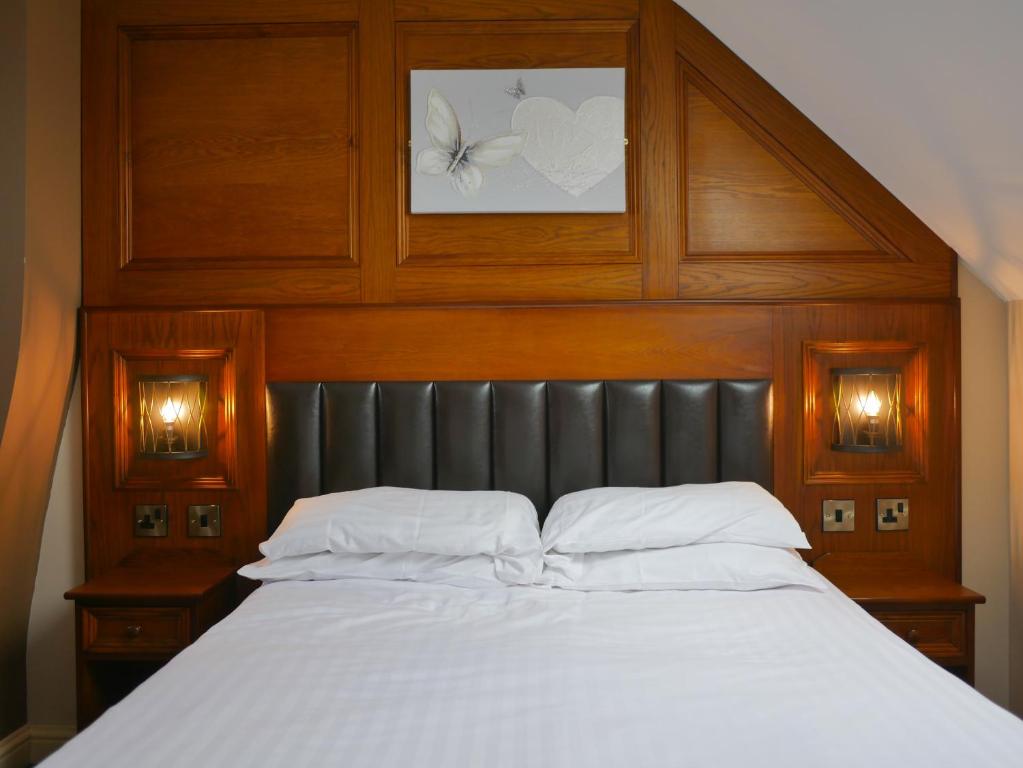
[927, 95]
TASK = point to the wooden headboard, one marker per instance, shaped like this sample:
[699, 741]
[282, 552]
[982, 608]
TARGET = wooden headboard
[246, 217]
[780, 343]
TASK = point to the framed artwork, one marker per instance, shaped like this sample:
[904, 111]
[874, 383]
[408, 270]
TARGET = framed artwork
[518, 141]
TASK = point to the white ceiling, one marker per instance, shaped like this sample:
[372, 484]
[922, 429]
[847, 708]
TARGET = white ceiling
[927, 95]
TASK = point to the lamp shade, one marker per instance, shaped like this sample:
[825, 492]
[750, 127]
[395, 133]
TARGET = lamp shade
[867, 406]
[172, 416]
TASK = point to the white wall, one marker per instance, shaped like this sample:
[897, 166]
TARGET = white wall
[985, 398]
[51, 628]
[50, 300]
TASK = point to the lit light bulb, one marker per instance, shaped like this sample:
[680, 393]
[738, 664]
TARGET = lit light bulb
[168, 413]
[872, 405]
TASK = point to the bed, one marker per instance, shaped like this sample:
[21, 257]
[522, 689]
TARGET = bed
[366, 672]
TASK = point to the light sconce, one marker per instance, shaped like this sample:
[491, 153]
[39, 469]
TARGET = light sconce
[172, 417]
[867, 410]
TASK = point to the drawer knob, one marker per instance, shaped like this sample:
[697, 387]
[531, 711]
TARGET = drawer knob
[913, 636]
[133, 630]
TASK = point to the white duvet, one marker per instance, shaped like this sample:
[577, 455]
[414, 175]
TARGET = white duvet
[372, 673]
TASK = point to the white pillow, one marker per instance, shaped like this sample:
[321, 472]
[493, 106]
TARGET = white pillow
[395, 520]
[608, 519]
[478, 571]
[742, 567]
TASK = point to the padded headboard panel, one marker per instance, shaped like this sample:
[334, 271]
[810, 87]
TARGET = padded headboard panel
[539, 438]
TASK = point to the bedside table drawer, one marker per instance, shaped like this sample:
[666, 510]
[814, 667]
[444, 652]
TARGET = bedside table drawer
[936, 634]
[128, 632]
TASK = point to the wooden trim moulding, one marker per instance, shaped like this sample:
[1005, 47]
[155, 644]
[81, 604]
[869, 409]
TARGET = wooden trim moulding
[783, 125]
[497, 10]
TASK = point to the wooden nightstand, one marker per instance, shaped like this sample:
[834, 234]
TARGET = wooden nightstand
[133, 618]
[932, 613]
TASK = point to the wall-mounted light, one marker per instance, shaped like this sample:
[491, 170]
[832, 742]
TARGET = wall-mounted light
[867, 406]
[172, 416]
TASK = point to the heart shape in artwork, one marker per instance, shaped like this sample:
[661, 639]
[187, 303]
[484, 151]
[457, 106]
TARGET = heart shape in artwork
[573, 150]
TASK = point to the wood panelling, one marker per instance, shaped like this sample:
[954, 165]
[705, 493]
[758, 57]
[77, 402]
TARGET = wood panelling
[240, 153]
[448, 10]
[933, 538]
[512, 44]
[730, 280]
[225, 287]
[823, 465]
[219, 467]
[555, 283]
[141, 12]
[259, 151]
[219, 152]
[237, 144]
[529, 241]
[659, 156]
[518, 239]
[673, 340]
[742, 201]
[626, 340]
[572, 342]
[378, 165]
[236, 405]
[818, 162]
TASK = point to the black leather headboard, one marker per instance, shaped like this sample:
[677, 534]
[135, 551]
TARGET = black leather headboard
[542, 438]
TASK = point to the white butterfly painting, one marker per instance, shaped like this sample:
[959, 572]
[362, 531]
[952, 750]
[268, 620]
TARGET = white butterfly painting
[452, 156]
[516, 141]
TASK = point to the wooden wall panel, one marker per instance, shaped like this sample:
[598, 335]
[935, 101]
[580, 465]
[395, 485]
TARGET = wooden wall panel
[238, 144]
[628, 340]
[378, 221]
[822, 466]
[742, 201]
[737, 280]
[267, 164]
[220, 152]
[531, 242]
[545, 282]
[665, 340]
[732, 218]
[197, 192]
[185, 12]
[165, 342]
[219, 467]
[572, 342]
[479, 10]
[933, 538]
[659, 156]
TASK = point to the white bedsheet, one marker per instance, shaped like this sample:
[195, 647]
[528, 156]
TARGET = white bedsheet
[370, 673]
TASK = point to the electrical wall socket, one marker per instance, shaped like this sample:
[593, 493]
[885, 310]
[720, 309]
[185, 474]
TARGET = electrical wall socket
[150, 519]
[838, 515]
[204, 520]
[893, 514]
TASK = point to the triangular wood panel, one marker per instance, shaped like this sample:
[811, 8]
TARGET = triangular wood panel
[743, 200]
[771, 208]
